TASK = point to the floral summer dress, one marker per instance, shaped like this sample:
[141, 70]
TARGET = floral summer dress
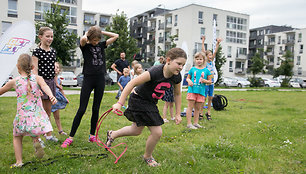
[31, 119]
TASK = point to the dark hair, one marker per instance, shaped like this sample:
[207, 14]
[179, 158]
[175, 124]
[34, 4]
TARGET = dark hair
[175, 53]
[94, 32]
[25, 64]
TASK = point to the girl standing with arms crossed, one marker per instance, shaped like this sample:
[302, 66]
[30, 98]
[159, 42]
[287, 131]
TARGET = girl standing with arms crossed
[209, 89]
[198, 77]
[94, 71]
[31, 119]
[142, 109]
[44, 58]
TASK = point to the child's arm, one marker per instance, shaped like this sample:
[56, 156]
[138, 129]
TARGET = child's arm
[217, 47]
[188, 79]
[203, 46]
[120, 86]
[83, 40]
[178, 102]
[144, 77]
[9, 85]
[35, 64]
[113, 37]
[208, 81]
[41, 82]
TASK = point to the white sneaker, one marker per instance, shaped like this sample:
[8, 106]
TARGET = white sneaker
[190, 126]
[41, 143]
[52, 138]
[166, 121]
[198, 126]
[172, 118]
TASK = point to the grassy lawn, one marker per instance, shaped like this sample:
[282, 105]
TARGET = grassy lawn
[259, 132]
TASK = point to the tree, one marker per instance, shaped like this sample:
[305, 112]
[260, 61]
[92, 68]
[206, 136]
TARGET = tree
[285, 69]
[257, 66]
[64, 42]
[125, 43]
[172, 45]
[219, 62]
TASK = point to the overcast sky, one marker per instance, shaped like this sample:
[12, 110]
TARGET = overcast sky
[262, 12]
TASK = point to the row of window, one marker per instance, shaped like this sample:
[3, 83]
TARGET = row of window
[235, 37]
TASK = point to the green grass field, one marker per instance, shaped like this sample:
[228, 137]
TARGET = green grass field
[259, 132]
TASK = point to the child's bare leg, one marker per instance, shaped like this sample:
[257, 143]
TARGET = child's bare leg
[17, 141]
[57, 120]
[189, 111]
[209, 104]
[197, 109]
[132, 130]
[171, 109]
[156, 133]
[47, 107]
[165, 110]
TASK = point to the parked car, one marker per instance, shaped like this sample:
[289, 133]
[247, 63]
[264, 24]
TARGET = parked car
[257, 82]
[80, 77]
[68, 79]
[229, 82]
[242, 82]
[301, 82]
[294, 84]
[271, 83]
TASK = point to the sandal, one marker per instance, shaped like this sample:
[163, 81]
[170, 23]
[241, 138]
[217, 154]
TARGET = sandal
[13, 166]
[151, 162]
[208, 116]
[200, 116]
[109, 139]
[62, 133]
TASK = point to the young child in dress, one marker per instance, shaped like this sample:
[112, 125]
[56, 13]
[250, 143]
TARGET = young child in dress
[197, 77]
[94, 69]
[142, 109]
[44, 58]
[169, 100]
[137, 70]
[31, 118]
[61, 100]
[209, 89]
[123, 80]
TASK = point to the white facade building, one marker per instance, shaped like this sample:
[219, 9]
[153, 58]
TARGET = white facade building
[193, 21]
[278, 43]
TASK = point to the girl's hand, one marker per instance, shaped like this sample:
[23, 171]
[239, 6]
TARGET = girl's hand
[219, 40]
[178, 119]
[116, 106]
[53, 100]
[41, 93]
[203, 38]
[189, 83]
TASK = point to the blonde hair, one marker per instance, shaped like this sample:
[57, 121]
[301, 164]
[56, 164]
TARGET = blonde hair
[42, 31]
[175, 53]
[94, 32]
[126, 69]
[136, 67]
[60, 66]
[134, 62]
[198, 54]
[25, 64]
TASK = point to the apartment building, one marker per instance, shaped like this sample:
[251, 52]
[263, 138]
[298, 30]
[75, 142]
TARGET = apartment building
[189, 23]
[257, 38]
[276, 45]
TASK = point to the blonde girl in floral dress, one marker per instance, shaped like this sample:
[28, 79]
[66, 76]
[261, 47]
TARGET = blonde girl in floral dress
[31, 119]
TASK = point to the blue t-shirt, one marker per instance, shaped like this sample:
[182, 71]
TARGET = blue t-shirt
[197, 74]
[210, 66]
[124, 80]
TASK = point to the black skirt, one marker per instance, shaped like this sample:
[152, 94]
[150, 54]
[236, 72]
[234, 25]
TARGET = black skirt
[143, 112]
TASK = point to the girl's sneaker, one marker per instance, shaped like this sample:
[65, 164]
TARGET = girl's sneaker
[67, 143]
[198, 126]
[13, 166]
[41, 143]
[172, 119]
[52, 138]
[92, 139]
[39, 151]
[166, 121]
[190, 126]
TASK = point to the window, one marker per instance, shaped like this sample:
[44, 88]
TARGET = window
[40, 9]
[175, 20]
[279, 40]
[202, 31]
[104, 20]
[299, 70]
[5, 26]
[73, 15]
[169, 20]
[235, 37]
[300, 37]
[200, 17]
[301, 49]
[236, 23]
[229, 52]
[241, 51]
[12, 9]
[230, 66]
[215, 16]
[298, 60]
[89, 19]
[278, 61]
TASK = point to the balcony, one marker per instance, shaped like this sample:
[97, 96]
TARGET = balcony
[151, 29]
[290, 41]
[270, 53]
[270, 43]
[241, 56]
[240, 71]
[161, 26]
[168, 25]
[103, 23]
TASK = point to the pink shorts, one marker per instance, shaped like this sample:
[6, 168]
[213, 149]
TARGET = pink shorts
[196, 97]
